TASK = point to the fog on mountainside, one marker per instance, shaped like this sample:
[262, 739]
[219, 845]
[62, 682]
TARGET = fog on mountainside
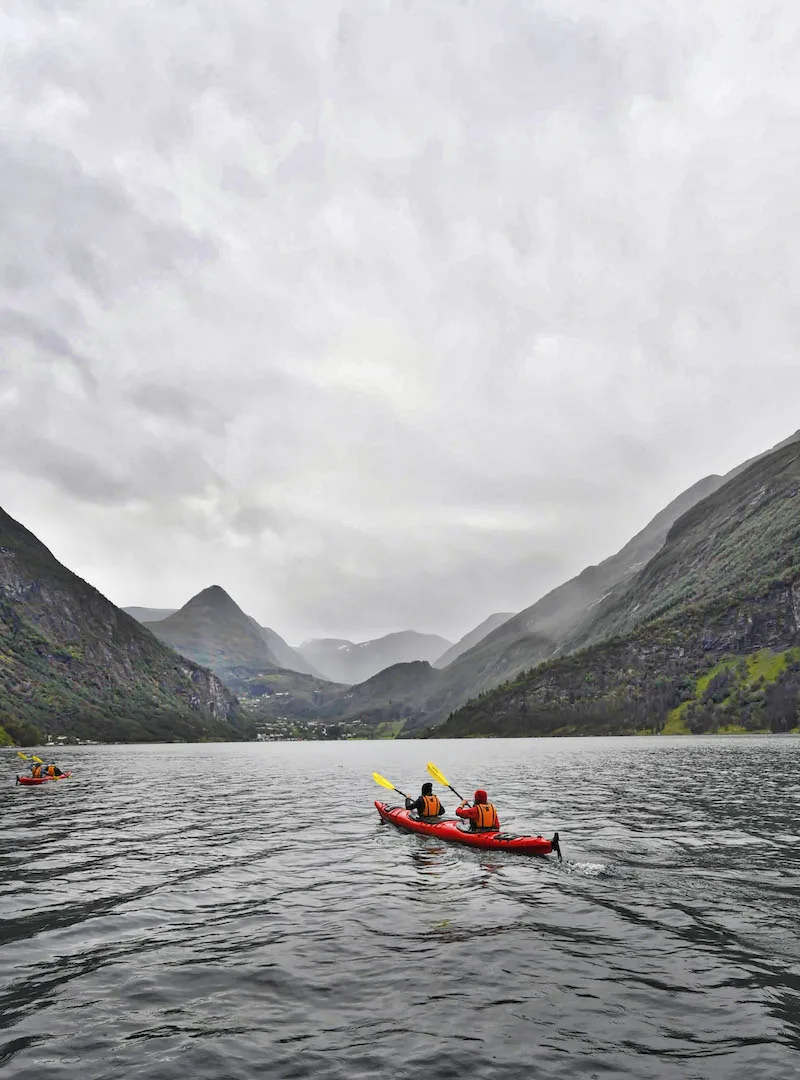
[149, 614]
[473, 637]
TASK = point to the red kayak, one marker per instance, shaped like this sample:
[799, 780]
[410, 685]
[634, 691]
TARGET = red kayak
[452, 832]
[33, 781]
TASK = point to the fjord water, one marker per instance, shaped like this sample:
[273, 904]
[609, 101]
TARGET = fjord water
[238, 911]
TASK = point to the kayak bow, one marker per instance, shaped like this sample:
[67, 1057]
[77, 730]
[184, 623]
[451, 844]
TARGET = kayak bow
[451, 832]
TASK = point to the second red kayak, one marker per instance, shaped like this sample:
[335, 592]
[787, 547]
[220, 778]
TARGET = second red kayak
[34, 781]
[452, 832]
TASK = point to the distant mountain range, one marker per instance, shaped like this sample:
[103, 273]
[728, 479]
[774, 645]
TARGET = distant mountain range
[73, 664]
[335, 659]
[350, 662]
[691, 626]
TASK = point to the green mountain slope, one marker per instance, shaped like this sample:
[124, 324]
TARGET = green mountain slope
[702, 637]
[72, 663]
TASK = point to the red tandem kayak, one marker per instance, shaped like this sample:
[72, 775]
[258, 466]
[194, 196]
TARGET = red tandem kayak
[34, 781]
[453, 833]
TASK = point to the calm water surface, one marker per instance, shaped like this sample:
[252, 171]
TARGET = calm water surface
[189, 911]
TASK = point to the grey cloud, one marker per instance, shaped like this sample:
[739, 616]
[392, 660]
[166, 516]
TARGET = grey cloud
[15, 324]
[398, 315]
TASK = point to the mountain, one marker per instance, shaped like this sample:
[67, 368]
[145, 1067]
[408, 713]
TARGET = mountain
[473, 637]
[284, 655]
[704, 637]
[71, 663]
[149, 614]
[347, 662]
[212, 629]
[550, 627]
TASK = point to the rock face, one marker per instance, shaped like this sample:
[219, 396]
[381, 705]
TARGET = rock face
[349, 662]
[72, 663]
[705, 635]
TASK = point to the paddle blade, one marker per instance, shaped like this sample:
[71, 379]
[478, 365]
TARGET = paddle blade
[23, 756]
[437, 774]
[38, 760]
[383, 781]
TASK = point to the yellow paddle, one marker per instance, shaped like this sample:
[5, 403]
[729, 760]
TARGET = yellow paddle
[440, 778]
[387, 784]
[33, 757]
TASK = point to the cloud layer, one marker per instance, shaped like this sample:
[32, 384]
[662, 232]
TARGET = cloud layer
[387, 314]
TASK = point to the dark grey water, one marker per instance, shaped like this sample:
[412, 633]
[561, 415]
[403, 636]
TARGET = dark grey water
[187, 911]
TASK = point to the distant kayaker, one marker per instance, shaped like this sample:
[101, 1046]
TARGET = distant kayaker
[53, 770]
[427, 805]
[482, 816]
[36, 770]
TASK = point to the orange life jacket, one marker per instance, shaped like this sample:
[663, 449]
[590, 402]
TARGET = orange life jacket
[51, 770]
[487, 816]
[36, 772]
[431, 807]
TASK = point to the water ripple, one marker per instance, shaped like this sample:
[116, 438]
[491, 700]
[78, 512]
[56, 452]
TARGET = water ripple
[189, 911]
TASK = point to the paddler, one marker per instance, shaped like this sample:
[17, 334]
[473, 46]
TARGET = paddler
[53, 770]
[36, 770]
[482, 816]
[427, 805]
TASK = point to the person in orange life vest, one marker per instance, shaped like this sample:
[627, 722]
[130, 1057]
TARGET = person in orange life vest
[36, 770]
[482, 816]
[53, 770]
[427, 805]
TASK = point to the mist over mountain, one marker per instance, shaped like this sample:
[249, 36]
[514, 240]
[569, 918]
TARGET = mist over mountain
[350, 662]
[149, 614]
[473, 637]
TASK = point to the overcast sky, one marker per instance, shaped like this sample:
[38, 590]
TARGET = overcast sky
[387, 314]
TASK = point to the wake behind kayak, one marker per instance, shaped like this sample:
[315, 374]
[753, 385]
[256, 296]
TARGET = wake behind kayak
[450, 832]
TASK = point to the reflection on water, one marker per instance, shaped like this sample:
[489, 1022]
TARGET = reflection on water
[230, 911]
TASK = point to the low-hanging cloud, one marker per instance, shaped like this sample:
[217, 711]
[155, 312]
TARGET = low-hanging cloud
[387, 315]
